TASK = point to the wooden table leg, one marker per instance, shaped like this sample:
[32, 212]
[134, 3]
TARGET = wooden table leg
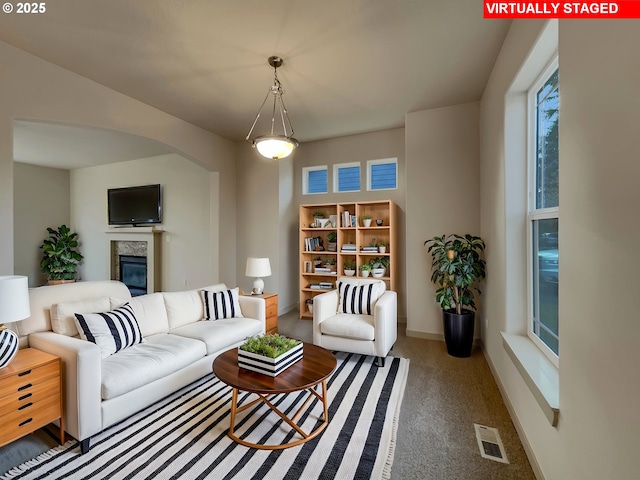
[234, 401]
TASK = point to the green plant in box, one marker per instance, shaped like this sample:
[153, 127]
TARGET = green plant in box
[271, 346]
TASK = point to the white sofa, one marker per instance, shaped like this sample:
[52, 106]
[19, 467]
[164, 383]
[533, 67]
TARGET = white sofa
[179, 348]
[361, 333]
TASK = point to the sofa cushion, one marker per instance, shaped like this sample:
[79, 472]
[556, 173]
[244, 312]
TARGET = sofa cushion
[159, 356]
[218, 305]
[186, 307]
[149, 310]
[359, 297]
[111, 331]
[358, 327]
[221, 334]
[63, 320]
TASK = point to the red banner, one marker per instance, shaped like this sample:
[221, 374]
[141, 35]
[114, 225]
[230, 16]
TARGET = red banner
[562, 9]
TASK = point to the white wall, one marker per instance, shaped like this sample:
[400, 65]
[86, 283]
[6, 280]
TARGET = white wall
[355, 148]
[597, 435]
[187, 253]
[443, 197]
[41, 199]
[32, 89]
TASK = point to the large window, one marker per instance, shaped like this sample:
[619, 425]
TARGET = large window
[314, 180]
[544, 212]
[346, 177]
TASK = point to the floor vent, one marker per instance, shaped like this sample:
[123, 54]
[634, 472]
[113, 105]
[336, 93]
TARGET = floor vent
[490, 444]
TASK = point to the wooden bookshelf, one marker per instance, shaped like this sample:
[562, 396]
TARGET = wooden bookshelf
[353, 234]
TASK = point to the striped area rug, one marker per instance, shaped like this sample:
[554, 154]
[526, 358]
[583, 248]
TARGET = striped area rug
[184, 435]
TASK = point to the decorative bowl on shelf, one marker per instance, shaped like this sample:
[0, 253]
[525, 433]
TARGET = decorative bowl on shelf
[349, 273]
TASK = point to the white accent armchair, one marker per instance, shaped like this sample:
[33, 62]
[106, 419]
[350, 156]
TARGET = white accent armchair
[360, 333]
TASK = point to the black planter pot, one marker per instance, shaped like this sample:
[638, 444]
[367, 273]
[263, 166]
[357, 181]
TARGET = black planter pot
[458, 332]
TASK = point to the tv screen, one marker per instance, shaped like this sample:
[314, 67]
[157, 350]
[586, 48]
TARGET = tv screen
[134, 205]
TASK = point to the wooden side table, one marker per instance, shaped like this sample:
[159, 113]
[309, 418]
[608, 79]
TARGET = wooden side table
[271, 301]
[30, 394]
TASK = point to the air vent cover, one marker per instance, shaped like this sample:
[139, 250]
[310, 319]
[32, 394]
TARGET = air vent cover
[490, 443]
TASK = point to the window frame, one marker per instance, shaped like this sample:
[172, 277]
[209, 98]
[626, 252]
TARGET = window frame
[534, 214]
[305, 179]
[336, 175]
[380, 161]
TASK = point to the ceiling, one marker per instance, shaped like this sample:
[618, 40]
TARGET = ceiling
[351, 66]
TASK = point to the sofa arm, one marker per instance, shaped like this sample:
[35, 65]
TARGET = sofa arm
[385, 319]
[81, 380]
[254, 307]
[325, 305]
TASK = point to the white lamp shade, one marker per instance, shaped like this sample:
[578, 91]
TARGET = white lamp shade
[275, 146]
[14, 298]
[258, 267]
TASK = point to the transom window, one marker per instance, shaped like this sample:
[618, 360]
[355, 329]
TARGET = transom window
[314, 180]
[544, 212]
[346, 177]
[382, 174]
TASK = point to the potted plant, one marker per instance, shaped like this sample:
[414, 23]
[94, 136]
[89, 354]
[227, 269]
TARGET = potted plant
[349, 268]
[378, 269]
[366, 220]
[456, 270]
[382, 247]
[317, 217]
[332, 242]
[365, 269]
[61, 257]
[269, 354]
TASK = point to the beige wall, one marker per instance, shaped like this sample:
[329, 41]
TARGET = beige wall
[355, 148]
[187, 247]
[41, 199]
[443, 197]
[596, 437]
[32, 89]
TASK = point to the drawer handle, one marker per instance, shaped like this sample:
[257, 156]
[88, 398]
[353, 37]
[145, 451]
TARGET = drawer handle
[24, 387]
[26, 372]
[24, 397]
[28, 420]
[26, 405]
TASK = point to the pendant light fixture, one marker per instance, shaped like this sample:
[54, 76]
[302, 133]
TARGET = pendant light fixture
[274, 145]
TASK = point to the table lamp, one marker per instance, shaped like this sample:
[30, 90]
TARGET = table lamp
[14, 306]
[258, 267]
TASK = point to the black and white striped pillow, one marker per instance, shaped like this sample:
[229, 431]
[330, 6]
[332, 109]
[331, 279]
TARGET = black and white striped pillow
[219, 305]
[111, 331]
[357, 299]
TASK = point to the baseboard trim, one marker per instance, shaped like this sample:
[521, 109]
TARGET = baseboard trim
[436, 336]
[533, 461]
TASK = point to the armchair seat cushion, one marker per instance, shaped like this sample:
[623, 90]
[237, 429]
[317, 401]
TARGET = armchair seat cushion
[357, 327]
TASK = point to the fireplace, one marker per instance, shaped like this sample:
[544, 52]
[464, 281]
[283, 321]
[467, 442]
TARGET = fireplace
[133, 273]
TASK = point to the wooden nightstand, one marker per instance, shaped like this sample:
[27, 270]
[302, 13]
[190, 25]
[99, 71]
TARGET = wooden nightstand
[30, 394]
[271, 301]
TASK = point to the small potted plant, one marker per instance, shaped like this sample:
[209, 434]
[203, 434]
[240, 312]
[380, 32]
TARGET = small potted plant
[332, 242]
[60, 255]
[269, 354]
[366, 220]
[382, 247]
[365, 270]
[457, 268]
[378, 268]
[349, 268]
[317, 217]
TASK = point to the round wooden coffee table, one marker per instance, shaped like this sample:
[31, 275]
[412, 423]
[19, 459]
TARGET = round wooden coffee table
[314, 368]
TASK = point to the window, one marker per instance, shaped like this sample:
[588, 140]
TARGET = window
[382, 174]
[346, 177]
[543, 213]
[314, 180]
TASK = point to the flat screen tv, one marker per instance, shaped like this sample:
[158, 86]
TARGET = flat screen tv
[134, 205]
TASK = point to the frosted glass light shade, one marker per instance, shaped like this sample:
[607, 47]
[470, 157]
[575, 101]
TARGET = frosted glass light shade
[275, 146]
[14, 298]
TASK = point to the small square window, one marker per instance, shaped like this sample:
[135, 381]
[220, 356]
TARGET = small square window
[314, 180]
[346, 177]
[382, 174]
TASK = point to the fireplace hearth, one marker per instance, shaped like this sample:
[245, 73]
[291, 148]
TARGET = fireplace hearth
[133, 273]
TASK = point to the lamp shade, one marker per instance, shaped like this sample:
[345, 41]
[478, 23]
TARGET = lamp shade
[14, 298]
[275, 146]
[258, 267]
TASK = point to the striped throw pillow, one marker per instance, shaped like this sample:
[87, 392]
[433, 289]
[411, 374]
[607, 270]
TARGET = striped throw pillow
[357, 299]
[219, 305]
[111, 331]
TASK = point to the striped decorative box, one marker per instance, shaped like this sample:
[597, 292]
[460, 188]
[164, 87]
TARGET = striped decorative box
[269, 366]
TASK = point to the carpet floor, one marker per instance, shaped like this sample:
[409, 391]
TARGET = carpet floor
[184, 436]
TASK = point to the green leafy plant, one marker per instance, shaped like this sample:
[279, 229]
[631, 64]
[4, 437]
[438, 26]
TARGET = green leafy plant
[60, 254]
[365, 267]
[318, 214]
[383, 244]
[271, 346]
[332, 237]
[456, 270]
[367, 217]
[349, 265]
[329, 262]
[380, 262]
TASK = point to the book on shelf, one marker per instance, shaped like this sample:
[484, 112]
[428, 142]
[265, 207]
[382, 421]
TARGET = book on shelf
[324, 270]
[369, 249]
[349, 247]
[310, 243]
[321, 286]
